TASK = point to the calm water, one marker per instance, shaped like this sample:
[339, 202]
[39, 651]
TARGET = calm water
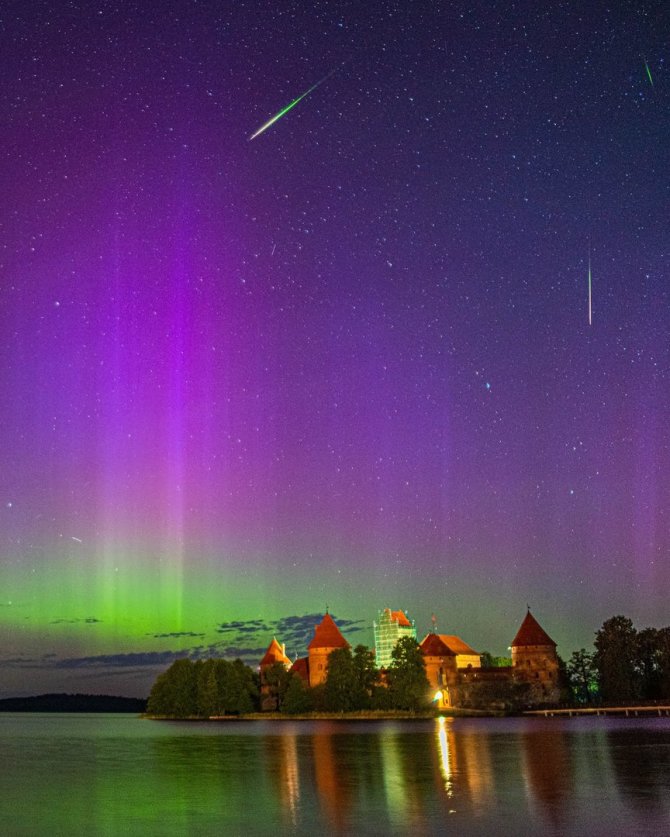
[98, 774]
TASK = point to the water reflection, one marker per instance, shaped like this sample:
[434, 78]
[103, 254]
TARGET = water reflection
[641, 766]
[330, 775]
[548, 769]
[281, 759]
[392, 774]
[454, 768]
[467, 776]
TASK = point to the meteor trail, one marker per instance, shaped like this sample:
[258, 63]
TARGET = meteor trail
[288, 107]
[589, 288]
[646, 67]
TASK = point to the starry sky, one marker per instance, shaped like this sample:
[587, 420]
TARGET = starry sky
[346, 363]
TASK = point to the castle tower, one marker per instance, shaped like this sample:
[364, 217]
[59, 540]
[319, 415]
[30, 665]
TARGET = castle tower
[535, 661]
[388, 629]
[276, 653]
[327, 638]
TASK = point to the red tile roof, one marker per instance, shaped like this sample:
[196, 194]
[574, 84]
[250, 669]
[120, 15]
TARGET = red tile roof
[274, 654]
[446, 645]
[457, 645]
[399, 617]
[530, 633]
[432, 646]
[327, 635]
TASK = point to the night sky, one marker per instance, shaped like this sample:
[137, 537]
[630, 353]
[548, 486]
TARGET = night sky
[346, 363]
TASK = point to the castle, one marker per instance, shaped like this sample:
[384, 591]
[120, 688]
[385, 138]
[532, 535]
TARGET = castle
[312, 668]
[453, 668]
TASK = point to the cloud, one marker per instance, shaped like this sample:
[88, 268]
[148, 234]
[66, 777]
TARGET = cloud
[246, 637]
[89, 620]
[21, 661]
[244, 640]
[244, 652]
[44, 661]
[249, 625]
[131, 660]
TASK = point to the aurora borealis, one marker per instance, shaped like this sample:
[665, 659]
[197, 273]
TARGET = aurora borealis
[346, 364]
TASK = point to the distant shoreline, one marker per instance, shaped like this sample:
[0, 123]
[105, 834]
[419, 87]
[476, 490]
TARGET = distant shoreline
[73, 703]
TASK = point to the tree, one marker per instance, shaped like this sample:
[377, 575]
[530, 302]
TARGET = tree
[407, 681]
[664, 661]
[208, 690]
[489, 661]
[204, 688]
[615, 660]
[276, 680]
[246, 688]
[366, 676]
[159, 701]
[582, 675]
[175, 692]
[381, 698]
[297, 698]
[341, 683]
[649, 663]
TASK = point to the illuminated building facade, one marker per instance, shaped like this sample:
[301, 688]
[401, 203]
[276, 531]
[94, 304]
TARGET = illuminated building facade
[445, 657]
[390, 626]
[453, 668]
[457, 679]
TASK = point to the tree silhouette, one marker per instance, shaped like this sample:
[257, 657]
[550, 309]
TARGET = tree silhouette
[407, 681]
[615, 660]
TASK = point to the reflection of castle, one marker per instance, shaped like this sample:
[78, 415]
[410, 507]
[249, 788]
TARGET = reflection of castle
[325, 778]
[453, 668]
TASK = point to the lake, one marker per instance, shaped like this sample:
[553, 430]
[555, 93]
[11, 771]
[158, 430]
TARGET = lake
[118, 774]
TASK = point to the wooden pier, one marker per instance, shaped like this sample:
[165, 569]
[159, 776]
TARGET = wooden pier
[619, 711]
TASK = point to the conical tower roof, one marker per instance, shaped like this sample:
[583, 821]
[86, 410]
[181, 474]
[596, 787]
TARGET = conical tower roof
[531, 633]
[327, 635]
[274, 654]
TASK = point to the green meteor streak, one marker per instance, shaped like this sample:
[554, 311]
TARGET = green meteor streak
[288, 107]
[646, 67]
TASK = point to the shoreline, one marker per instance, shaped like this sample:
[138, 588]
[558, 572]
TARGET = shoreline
[557, 713]
[334, 716]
